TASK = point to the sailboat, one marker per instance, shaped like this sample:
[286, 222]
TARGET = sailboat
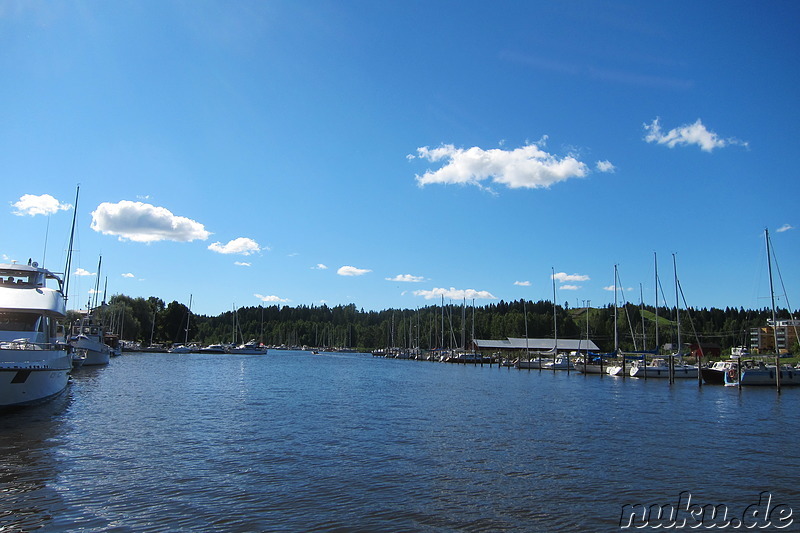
[90, 338]
[251, 347]
[761, 373]
[185, 348]
[616, 369]
[538, 363]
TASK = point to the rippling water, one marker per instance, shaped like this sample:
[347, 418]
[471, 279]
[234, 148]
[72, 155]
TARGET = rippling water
[299, 442]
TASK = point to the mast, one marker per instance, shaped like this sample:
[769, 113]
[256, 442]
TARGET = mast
[97, 283]
[188, 318]
[774, 315]
[68, 266]
[655, 262]
[616, 329]
[678, 321]
[525, 311]
[555, 320]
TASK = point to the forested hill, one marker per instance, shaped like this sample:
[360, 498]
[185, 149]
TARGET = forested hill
[141, 319]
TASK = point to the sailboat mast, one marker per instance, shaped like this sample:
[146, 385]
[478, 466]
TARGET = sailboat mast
[655, 262]
[678, 321]
[68, 266]
[555, 319]
[188, 318]
[774, 315]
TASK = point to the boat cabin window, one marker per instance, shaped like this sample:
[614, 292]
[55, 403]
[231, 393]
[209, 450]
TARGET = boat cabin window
[10, 321]
[17, 278]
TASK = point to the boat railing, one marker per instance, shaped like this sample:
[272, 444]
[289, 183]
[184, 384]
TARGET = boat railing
[26, 344]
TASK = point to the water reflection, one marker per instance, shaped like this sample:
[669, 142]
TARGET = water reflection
[29, 440]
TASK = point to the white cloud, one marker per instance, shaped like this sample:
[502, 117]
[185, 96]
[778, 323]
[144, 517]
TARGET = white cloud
[271, 298]
[605, 166]
[785, 227]
[32, 205]
[455, 294]
[408, 278]
[610, 288]
[528, 167]
[240, 246]
[523, 283]
[128, 275]
[352, 271]
[83, 272]
[242, 263]
[140, 222]
[686, 135]
[569, 287]
[563, 277]
[319, 266]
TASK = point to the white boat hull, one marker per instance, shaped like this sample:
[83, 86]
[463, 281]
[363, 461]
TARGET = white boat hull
[533, 364]
[29, 377]
[592, 369]
[615, 370]
[249, 351]
[680, 372]
[97, 353]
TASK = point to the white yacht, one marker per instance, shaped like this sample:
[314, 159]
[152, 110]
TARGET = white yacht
[250, 348]
[562, 362]
[90, 336]
[659, 368]
[34, 365]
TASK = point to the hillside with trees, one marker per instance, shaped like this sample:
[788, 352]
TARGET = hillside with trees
[151, 320]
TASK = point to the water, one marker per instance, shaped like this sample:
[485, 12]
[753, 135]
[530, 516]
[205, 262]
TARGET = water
[299, 442]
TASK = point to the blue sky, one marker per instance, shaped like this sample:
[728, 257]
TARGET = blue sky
[388, 153]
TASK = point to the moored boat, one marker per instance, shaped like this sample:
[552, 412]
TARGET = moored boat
[250, 348]
[34, 364]
[91, 337]
[659, 368]
[760, 373]
[562, 362]
[715, 374]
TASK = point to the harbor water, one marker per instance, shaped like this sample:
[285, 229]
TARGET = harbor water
[292, 441]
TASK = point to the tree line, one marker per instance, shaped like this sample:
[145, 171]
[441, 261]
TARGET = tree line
[152, 321]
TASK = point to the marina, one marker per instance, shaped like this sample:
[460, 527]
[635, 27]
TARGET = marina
[342, 441]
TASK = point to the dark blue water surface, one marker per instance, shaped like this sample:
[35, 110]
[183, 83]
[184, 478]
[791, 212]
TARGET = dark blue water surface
[292, 441]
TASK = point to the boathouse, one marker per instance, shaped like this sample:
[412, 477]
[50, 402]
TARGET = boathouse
[513, 344]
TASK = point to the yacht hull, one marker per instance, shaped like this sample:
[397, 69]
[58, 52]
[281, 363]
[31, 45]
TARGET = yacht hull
[25, 380]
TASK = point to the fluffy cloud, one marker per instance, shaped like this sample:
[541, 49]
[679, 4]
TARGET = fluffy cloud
[527, 167]
[686, 135]
[242, 263]
[271, 298]
[455, 294]
[564, 277]
[240, 246]
[523, 283]
[785, 227]
[140, 222]
[352, 271]
[319, 266]
[128, 275]
[408, 278]
[83, 272]
[32, 205]
[570, 287]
